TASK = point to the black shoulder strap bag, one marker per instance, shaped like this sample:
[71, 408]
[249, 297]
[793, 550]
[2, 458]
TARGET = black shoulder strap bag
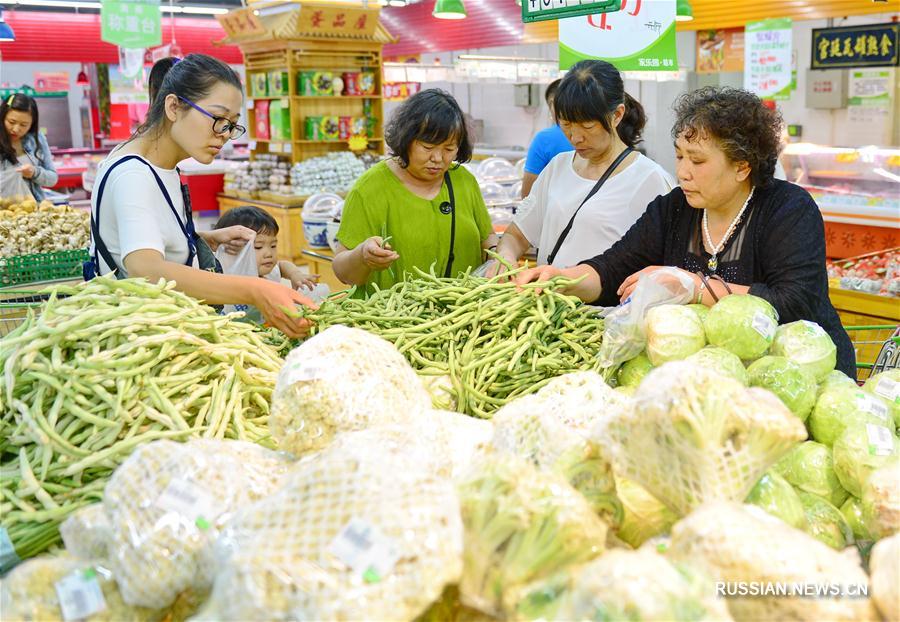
[594, 190]
[197, 247]
[450, 208]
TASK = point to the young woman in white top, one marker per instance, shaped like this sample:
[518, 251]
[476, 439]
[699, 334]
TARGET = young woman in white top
[141, 223]
[569, 212]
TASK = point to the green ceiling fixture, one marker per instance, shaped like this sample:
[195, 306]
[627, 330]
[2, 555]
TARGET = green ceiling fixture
[449, 9]
[683, 11]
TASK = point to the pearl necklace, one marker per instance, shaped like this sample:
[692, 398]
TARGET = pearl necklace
[715, 249]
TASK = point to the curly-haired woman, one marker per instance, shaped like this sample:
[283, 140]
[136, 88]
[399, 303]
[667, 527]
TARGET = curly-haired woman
[728, 218]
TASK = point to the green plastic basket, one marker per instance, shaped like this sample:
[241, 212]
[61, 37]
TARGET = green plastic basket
[21, 269]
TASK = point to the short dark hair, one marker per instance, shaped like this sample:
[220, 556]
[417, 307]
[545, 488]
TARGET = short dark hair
[552, 88]
[251, 217]
[157, 73]
[193, 77]
[744, 128]
[19, 102]
[431, 116]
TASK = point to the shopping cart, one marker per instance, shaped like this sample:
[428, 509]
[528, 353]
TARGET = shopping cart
[877, 348]
[18, 301]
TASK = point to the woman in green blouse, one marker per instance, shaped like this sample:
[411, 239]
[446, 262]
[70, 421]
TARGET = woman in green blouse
[419, 208]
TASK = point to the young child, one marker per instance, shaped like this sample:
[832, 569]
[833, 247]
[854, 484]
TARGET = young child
[266, 243]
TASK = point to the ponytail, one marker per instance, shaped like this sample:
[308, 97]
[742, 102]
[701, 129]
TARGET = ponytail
[632, 124]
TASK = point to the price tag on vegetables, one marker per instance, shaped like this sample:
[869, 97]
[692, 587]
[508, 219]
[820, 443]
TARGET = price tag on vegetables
[888, 389]
[881, 442]
[185, 498]
[80, 595]
[363, 548]
[764, 325]
[873, 405]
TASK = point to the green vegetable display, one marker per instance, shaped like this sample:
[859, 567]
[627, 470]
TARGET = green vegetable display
[834, 380]
[674, 332]
[644, 515]
[722, 361]
[825, 522]
[886, 385]
[744, 325]
[787, 380]
[809, 468]
[853, 514]
[808, 345]
[860, 450]
[841, 407]
[632, 372]
[776, 496]
[494, 341]
[108, 366]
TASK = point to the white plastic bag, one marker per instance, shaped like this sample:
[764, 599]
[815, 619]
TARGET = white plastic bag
[242, 264]
[625, 335]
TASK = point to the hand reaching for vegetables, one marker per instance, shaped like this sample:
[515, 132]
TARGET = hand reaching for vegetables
[377, 255]
[272, 299]
[234, 238]
[675, 279]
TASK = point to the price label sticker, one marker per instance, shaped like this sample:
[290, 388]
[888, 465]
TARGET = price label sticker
[80, 595]
[301, 371]
[362, 547]
[888, 389]
[881, 441]
[186, 499]
[8, 556]
[764, 325]
[874, 405]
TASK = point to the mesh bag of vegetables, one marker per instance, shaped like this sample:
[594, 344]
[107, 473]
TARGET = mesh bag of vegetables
[66, 588]
[166, 504]
[551, 430]
[521, 524]
[627, 585]
[884, 569]
[352, 535]
[644, 516]
[86, 533]
[340, 380]
[694, 435]
[741, 543]
[881, 500]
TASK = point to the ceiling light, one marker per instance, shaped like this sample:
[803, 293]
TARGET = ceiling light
[396, 3]
[82, 79]
[449, 9]
[683, 11]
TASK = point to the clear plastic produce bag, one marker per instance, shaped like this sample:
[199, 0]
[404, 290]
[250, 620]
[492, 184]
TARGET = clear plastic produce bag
[242, 264]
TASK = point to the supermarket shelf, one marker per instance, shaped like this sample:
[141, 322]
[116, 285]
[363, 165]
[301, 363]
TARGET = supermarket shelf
[337, 97]
[883, 308]
[333, 142]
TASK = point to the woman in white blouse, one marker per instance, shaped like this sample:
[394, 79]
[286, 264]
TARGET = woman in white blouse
[589, 197]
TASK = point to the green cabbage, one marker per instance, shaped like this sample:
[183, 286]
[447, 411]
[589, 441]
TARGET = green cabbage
[840, 407]
[701, 310]
[886, 385]
[722, 361]
[744, 325]
[860, 450]
[807, 344]
[853, 514]
[775, 495]
[632, 372]
[792, 384]
[645, 516]
[835, 379]
[674, 332]
[825, 522]
[808, 467]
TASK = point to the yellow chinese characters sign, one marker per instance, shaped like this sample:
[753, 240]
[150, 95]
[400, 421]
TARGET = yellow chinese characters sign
[876, 45]
[337, 21]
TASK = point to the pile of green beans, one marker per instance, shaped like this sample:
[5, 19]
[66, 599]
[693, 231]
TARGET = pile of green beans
[105, 367]
[495, 341]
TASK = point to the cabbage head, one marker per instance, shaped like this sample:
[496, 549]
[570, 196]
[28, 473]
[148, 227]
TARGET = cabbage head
[886, 385]
[809, 467]
[836, 379]
[701, 310]
[841, 407]
[775, 495]
[744, 325]
[860, 450]
[787, 380]
[853, 514]
[722, 361]
[674, 332]
[825, 522]
[807, 344]
[645, 516]
[633, 371]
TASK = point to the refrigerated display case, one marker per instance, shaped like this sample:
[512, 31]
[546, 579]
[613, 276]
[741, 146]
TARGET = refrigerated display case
[858, 191]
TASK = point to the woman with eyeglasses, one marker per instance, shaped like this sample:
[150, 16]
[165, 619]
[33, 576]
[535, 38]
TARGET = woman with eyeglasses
[141, 223]
[26, 165]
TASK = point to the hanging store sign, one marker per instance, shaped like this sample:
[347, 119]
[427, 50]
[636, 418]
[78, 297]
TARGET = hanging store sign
[51, 81]
[337, 21]
[875, 45]
[131, 23]
[640, 37]
[720, 50]
[241, 23]
[767, 56]
[542, 10]
[399, 91]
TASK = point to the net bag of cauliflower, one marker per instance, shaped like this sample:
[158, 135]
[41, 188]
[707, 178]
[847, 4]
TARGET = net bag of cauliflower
[166, 504]
[340, 380]
[694, 435]
[884, 567]
[741, 543]
[66, 588]
[551, 430]
[86, 533]
[357, 532]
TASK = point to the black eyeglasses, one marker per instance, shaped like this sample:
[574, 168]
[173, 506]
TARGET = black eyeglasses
[221, 125]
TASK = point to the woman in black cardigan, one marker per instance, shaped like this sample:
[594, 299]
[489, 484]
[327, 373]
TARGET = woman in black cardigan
[728, 218]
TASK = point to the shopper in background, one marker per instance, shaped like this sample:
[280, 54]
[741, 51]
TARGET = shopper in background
[728, 218]
[587, 199]
[545, 145]
[429, 206]
[26, 165]
[141, 217]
